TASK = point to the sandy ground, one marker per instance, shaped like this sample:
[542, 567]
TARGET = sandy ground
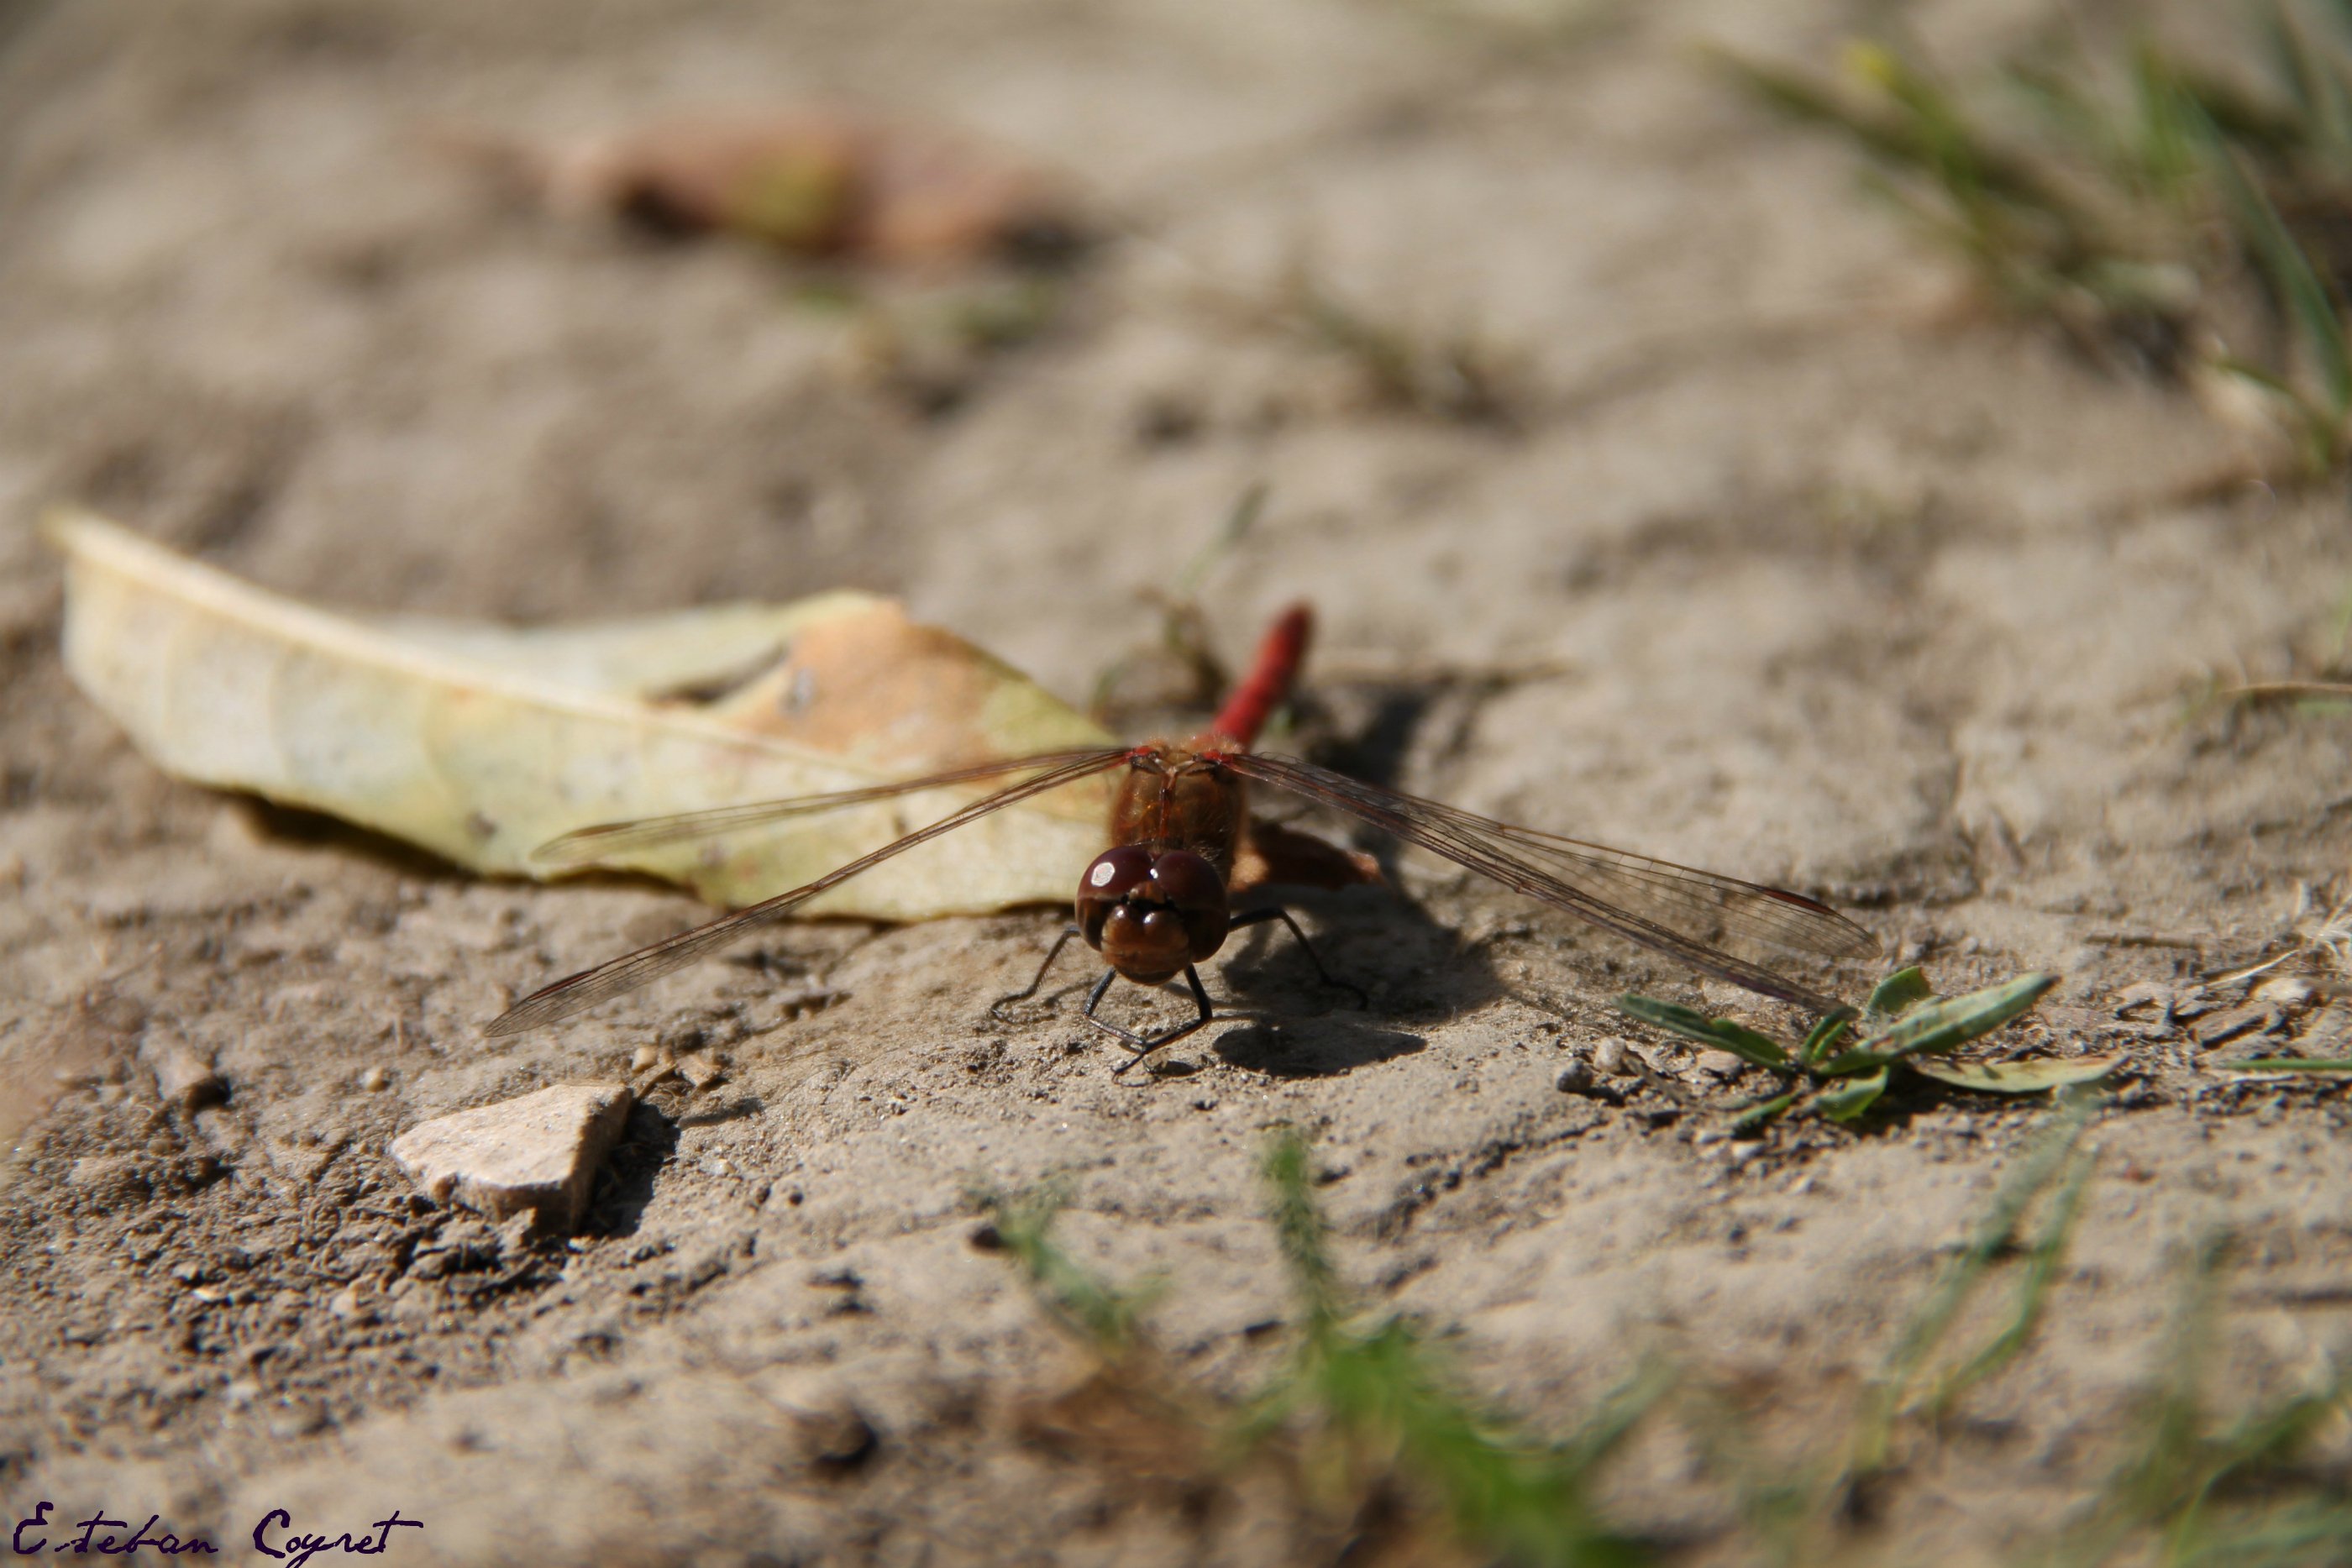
[1807, 577]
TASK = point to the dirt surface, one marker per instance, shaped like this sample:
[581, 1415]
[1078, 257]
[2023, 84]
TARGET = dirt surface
[1779, 564]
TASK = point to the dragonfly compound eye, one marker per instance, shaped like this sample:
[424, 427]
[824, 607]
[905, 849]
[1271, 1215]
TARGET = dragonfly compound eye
[1110, 879]
[1192, 887]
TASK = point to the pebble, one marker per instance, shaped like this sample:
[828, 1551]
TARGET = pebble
[646, 1057]
[827, 1429]
[2214, 1029]
[375, 1078]
[700, 1069]
[2145, 994]
[1720, 1063]
[185, 1078]
[1576, 1078]
[1609, 1057]
[537, 1155]
[2288, 991]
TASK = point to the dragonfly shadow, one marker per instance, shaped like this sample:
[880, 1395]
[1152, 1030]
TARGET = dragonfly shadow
[1414, 968]
[1318, 1047]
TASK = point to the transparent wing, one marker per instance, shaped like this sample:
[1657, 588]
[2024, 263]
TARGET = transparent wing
[579, 992]
[1691, 914]
[605, 841]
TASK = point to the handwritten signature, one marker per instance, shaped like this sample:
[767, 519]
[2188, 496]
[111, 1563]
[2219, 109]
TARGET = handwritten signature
[275, 1536]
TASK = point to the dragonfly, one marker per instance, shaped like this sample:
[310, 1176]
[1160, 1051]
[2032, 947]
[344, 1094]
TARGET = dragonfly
[1161, 900]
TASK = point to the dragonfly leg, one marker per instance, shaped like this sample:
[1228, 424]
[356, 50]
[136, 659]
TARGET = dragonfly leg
[1276, 912]
[997, 1009]
[1143, 1045]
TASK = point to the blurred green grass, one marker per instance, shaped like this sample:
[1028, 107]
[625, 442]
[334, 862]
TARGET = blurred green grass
[2194, 221]
[1374, 1437]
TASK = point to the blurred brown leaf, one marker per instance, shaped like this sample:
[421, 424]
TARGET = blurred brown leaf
[816, 181]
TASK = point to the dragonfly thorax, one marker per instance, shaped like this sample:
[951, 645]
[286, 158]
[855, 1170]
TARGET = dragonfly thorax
[1179, 797]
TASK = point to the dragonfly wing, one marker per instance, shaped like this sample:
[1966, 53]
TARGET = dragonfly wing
[605, 841]
[579, 992]
[1694, 915]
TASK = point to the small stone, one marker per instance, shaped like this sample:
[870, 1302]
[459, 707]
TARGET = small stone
[1576, 1078]
[2288, 991]
[348, 1305]
[828, 1431]
[1609, 1058]
[700, 1069]
[537, 1154]
[645, 1057]
[1720, 1063]
[834, 1436]
[374, 1079]
[112, 1179]
[297, 1420]
[2231, 1022]
[184, 1077]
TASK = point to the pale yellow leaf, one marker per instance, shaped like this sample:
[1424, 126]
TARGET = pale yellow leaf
[480, 743]
[2030, 1077]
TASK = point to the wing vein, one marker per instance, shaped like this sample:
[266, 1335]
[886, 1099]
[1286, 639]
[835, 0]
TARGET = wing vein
[577, 993]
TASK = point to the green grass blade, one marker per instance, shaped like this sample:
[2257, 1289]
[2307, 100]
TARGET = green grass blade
[1109, 1318]
[2287, 56]
[2166, 151]
[1848, 1098]
[1898, 993]
[2301, 293]
[2295, 1535]
[2040, 1270]
[1942, 1025]
[1523, 1500]
[1672, 1017]
[1750, 1046]
[1299, 1228]
[1383, 1392]
[1724, 1034]
[2049, 1154]
[1825, 1035]
[1236, 528]
[1626, 1406]
[1763, 1111]
[2323, 113]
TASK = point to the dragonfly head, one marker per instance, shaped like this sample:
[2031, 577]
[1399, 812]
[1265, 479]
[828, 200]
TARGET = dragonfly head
[1150, 914]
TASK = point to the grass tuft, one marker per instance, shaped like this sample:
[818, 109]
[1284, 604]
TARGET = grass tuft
[1384, 1457]
[2150, 209]
[1904, 1022]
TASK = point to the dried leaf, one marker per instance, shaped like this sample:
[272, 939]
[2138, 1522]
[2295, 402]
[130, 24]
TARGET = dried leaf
[813, 181]
[2015, 1077]
[480, 743]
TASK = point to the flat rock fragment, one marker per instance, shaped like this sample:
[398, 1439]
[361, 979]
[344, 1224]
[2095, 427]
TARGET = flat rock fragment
[537, 1155]
[184, 1077]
